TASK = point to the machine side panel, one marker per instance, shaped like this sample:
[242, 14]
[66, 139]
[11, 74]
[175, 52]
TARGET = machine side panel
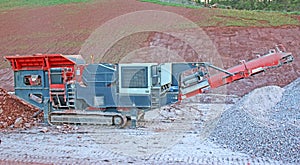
[166, 74]
[32, 86]
[177, 69]
[133, 100]
[100, 97]
[99, 88]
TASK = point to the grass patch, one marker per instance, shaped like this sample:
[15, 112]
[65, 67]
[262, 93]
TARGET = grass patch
[12, 4]
[223, 17]
[231, 17]
[171, 4]
[255, 18]
[294, 12]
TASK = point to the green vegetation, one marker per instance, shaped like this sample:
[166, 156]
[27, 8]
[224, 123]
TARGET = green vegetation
[294, 13]
[223, 17]
[256, 18]
[171, 4]
[285, 6]
[233, 17]
[268, 5]
[11, 4]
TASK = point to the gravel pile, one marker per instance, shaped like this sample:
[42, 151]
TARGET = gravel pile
[257, 124]
[288, 109]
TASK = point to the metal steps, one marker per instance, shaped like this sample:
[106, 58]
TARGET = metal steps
[155, 97]
[71, 99]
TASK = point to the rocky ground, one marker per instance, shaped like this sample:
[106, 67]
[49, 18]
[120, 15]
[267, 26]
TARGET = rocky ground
[15, 113]
[254, 129]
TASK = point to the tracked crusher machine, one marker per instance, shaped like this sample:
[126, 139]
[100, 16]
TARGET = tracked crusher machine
[67, 90]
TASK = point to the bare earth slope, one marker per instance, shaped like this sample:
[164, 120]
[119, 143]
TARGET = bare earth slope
[63, 29]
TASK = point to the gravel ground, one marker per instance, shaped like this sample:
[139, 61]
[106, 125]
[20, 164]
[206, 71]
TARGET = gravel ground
[171, 135]
[260, 128]
[260, 124]
[82, 147]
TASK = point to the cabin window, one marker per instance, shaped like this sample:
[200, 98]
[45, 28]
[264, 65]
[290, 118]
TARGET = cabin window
[134, 77]
[33, 80]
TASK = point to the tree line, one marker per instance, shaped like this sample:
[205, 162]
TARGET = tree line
[277, 5]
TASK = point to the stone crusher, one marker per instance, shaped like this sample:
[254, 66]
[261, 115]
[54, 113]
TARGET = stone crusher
[67, 90]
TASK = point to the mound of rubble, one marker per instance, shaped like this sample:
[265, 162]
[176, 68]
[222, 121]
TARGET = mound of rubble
[262, 124]
[15, 113]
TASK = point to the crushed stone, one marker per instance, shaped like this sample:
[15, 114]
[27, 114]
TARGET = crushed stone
[260, 124]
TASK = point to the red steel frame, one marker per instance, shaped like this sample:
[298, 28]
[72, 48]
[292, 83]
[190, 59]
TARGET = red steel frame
[40, 62]
[43, 62]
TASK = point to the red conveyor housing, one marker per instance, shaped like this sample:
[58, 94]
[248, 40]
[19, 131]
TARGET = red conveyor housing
[275, 58]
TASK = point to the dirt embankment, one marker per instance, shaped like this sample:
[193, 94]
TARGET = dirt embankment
[64, 29]
[241, 43]
[233, 44]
